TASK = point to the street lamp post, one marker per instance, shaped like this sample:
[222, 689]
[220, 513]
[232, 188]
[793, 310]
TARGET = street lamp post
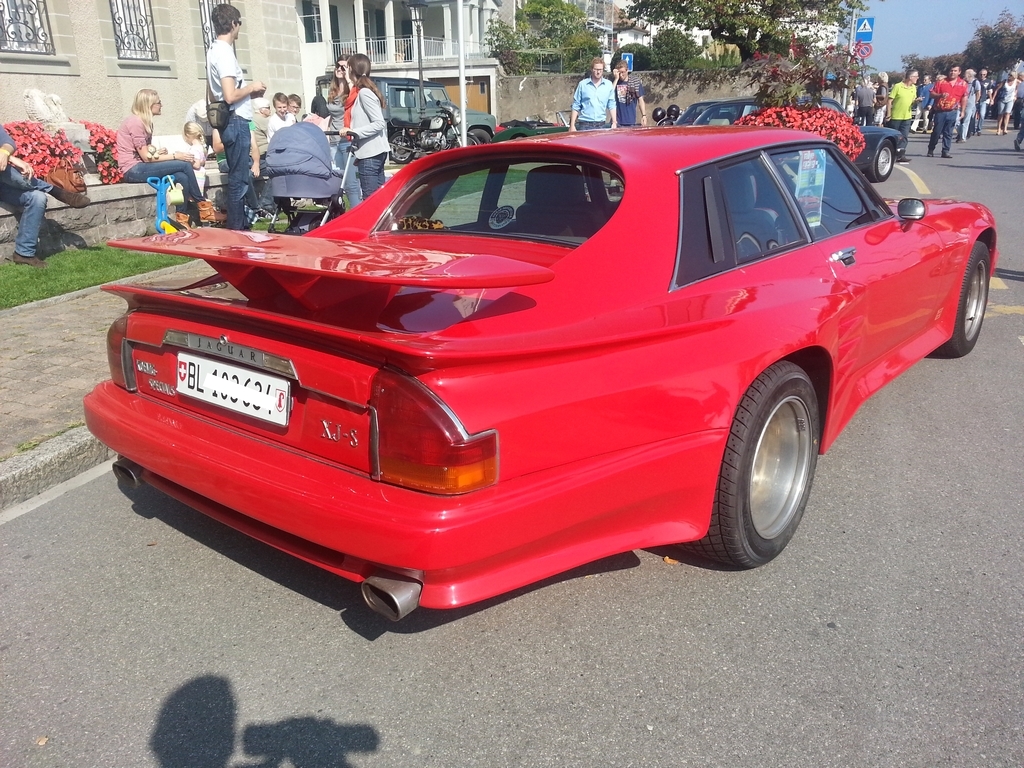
[416, 10]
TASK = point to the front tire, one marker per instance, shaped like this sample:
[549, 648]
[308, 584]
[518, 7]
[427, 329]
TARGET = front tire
[767, 469]
[882, 163]
[970, 309]
[402, 149]
[478, 136]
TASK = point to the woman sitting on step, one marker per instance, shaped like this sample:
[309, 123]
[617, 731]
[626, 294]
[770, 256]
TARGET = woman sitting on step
[138, 159]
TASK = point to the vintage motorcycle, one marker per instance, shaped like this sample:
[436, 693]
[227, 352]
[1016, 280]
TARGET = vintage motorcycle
[433, 133]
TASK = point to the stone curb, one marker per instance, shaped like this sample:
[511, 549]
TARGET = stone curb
[60, 458]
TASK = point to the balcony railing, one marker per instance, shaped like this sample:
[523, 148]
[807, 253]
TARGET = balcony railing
[402, 50]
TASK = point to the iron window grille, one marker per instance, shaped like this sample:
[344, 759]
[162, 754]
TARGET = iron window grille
[25, 27]
[134, 35]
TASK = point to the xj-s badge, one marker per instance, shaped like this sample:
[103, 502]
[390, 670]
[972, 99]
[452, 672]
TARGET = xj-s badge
[334, 433]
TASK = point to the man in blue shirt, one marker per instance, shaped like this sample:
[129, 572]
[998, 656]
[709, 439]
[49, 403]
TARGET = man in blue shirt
[924, 95]
[593, 103]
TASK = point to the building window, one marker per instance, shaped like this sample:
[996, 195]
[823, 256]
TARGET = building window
[311, 22]
[133, 30]
[205, 9]
[25, 27]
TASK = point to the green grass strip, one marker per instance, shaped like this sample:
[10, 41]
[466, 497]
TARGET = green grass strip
[72, 270]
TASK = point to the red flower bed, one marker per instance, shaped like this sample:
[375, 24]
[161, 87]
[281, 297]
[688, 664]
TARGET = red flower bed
[825, 122]
[102, 141]
[40, 149]
[43, 150]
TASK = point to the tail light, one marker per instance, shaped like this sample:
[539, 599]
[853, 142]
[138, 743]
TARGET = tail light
[420, 443]
[119, 354]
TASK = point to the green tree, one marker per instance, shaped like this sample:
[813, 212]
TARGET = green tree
[505, 43]
[672, 48]
[641, 56]
[996, 46]
[753, 26]
[931, 65]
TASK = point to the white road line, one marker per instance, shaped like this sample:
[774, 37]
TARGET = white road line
[58, 490]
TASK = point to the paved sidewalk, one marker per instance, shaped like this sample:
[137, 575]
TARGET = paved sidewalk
[52, 353]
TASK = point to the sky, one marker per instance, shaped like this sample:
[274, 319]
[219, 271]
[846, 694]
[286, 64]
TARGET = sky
[928, 27]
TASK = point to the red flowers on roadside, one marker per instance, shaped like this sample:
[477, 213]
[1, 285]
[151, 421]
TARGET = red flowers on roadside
[827, 123]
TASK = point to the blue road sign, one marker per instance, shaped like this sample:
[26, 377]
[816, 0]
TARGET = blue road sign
[864, 29]
[628, 58]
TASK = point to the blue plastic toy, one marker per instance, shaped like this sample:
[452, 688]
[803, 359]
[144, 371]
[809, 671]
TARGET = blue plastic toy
[163, 221]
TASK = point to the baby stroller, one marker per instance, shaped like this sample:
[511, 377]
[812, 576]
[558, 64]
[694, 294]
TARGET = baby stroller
[304, 185]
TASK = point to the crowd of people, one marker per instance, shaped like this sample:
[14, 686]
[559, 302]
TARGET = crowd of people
[947, 106]
[950, 107]
[353, 119]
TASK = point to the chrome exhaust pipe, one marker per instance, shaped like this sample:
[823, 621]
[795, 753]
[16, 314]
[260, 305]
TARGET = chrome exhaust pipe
[127, 472]
[391, 594]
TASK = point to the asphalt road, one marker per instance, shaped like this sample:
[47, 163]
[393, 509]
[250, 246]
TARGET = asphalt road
[136, 632]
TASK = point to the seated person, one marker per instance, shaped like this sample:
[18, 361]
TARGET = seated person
[19, 187]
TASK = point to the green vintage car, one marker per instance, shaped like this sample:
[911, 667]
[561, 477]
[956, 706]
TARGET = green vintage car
[520, 129]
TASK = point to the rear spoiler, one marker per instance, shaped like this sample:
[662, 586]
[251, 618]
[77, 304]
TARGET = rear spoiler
[320, 273]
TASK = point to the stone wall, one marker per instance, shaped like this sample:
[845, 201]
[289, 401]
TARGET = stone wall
[117, 211]
[544, 95]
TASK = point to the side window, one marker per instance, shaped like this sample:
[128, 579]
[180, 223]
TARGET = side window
[402, 97]
[760, 220]
[824, 193]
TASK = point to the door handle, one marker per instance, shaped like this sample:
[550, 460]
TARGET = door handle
[846, 256]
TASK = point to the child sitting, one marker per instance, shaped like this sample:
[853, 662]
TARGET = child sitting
[281, 117]
[196, 140]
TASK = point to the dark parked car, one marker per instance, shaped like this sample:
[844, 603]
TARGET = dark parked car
[883, 146]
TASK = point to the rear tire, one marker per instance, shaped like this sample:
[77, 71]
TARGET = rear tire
[970, 309]
[767, 469]
[402, 149]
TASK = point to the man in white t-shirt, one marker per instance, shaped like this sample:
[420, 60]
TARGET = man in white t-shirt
[224, 77]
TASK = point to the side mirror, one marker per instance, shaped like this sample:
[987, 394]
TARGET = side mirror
[910, 209]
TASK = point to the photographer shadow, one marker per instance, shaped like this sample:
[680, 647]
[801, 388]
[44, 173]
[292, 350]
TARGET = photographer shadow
[196, 729]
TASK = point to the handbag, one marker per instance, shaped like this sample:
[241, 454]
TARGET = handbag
[66, 176]
[218, 113]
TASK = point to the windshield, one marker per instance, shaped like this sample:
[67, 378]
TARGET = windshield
[541, 199]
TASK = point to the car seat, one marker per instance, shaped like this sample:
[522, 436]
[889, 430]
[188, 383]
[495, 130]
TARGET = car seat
[556, 204]
[753, 228]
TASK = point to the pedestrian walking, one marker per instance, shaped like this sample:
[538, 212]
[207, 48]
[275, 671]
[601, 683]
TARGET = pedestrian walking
[1005, 95]
[629, 96]
[973, 96]
[901, 102]
[924, 94]
[593, 102]
[864, 98]
[950, 100]
[365, 124]
[227, 83]
[984, 100]
[882, 99]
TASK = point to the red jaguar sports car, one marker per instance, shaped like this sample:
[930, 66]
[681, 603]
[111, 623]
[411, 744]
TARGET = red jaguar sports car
[521, 357]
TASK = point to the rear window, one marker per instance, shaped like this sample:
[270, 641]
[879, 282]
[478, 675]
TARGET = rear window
[551, 200]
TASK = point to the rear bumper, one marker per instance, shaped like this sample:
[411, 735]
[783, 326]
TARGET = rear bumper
[464, 549]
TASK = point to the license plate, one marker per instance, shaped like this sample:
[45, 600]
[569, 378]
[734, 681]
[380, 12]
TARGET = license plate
[242, 390]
